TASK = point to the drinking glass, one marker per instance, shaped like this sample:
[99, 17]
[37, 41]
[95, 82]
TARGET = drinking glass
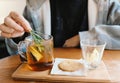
[38, 54]
[92, 52]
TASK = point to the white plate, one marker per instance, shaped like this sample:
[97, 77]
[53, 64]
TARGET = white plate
[56, 71]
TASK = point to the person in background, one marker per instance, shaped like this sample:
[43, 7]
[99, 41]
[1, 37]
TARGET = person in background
[61, 18]
[64, 19]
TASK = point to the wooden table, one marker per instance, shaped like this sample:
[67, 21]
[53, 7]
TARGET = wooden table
[111, 59]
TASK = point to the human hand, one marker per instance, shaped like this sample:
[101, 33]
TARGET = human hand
[72, 42]
[14, 25]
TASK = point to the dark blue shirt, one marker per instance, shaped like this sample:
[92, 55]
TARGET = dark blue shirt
[68, 17]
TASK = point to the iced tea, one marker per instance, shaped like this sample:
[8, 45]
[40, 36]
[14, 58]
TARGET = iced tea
[40, 55]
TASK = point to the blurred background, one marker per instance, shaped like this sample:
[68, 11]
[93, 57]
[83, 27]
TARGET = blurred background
[5, 7]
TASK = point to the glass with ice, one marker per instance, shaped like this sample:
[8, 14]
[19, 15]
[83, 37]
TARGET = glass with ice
[92, 52]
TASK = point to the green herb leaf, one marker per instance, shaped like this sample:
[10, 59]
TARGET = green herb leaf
[37, 39]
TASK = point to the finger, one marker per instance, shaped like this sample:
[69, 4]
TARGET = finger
[6, 29]
[21, 20]
[6, 35]
[12, 35]
[17, 34]
[12, 24]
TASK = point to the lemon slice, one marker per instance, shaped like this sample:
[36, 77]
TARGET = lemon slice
[35, 53]
[94, 55]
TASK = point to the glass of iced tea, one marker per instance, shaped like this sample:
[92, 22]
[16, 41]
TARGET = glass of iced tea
[39, 51]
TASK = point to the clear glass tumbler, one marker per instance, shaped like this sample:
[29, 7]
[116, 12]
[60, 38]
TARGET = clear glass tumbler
[92, 52]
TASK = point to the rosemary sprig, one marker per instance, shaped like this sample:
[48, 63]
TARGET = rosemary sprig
[38, 41]
[37, 38]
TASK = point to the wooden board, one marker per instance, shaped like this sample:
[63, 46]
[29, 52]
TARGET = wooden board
[98, 75]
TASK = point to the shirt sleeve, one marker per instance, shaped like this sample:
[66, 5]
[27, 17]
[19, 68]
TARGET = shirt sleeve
[108, 33]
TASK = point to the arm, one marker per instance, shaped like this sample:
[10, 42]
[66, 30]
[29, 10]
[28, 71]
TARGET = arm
[108, 33]
[29, 20]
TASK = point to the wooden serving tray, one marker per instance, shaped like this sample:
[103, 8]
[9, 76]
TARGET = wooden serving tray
[98, 75]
